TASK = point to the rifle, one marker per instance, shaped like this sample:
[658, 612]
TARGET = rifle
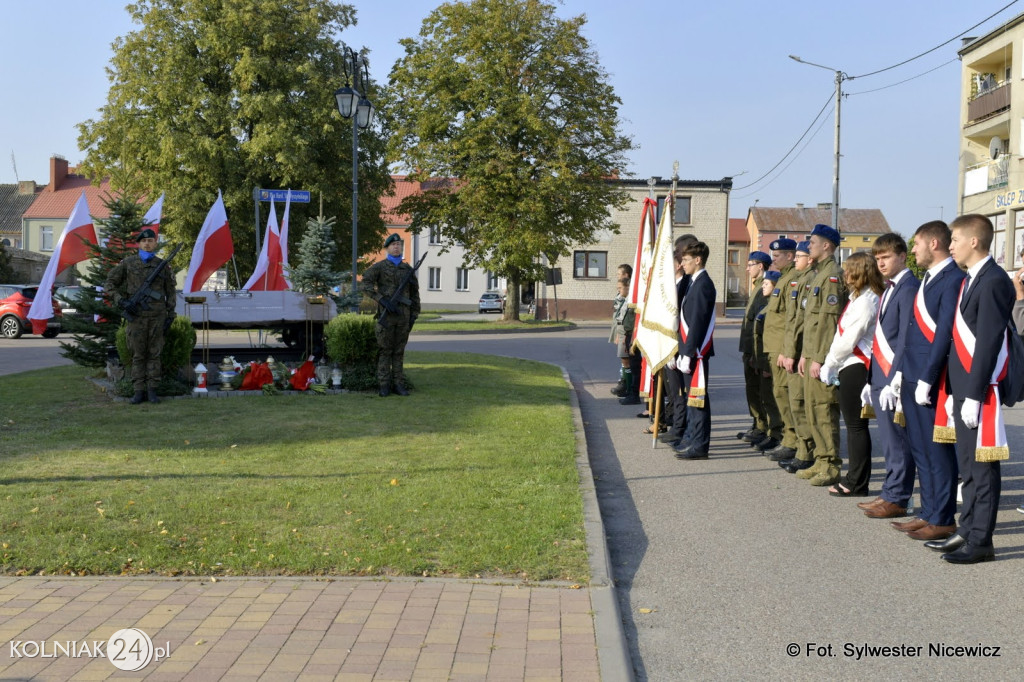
[139, 301]
[396, 297]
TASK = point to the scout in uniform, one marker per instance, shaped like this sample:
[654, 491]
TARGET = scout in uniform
[789, 358]
[783, 256]
[821, 317]
[767, 424]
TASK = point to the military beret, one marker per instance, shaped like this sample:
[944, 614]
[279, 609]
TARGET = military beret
[826, 232]
[392, 238]
[773, 275]
[760, 257]
[803, 247]
[147, 233]
[783, 245]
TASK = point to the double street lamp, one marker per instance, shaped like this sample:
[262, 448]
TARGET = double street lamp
[352, 103]
[840, 77]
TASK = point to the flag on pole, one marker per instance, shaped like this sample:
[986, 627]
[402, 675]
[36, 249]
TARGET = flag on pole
[72, 247]
[154, 214]
[268, 276]
[213, 247]
[658, 336]
[284, 241]
[644, 252]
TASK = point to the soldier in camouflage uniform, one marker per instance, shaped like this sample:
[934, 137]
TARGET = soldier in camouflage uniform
[783, 255]
[146, 332]
[824, 306]
[380, 282]
[789, 356]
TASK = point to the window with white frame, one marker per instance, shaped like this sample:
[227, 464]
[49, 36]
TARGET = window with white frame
[492, 281]
[46, 238]
[434, 279]
[461, 279]
[435, 236]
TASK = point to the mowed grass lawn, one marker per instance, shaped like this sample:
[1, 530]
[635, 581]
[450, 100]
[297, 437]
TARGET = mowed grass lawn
[473, 475]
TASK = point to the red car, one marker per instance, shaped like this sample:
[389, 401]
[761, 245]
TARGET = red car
[15, 300]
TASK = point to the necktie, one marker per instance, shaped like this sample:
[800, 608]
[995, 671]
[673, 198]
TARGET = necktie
[963, 296]
[927, 276]
[885, 295]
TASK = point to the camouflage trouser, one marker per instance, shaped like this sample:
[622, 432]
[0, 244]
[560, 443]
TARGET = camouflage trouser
[391, 340]
[146, 342]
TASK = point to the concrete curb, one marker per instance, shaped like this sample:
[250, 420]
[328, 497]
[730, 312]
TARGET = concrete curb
[612, 649]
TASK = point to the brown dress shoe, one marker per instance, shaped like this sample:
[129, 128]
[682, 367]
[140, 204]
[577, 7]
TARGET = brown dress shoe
[885, 510]
[931, 532]
[872, 503]
[906, 526]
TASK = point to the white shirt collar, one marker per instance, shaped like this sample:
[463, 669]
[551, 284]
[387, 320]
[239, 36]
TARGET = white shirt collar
[974, 269]
[896, 280]
[696, 275]
[939, 267]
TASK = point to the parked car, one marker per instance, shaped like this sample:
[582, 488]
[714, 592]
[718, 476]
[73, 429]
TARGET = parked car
[491, 301]
[15, 301]
[68, 297]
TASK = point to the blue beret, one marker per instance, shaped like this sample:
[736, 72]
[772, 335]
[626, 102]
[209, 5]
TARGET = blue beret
[804, 247]
[147, 233]
[826, 232]
[783, 245]
[761, 257]
[392, 238]
[773, 275]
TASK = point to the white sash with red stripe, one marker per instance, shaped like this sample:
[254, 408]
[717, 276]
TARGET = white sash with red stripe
[698, 382]
[924, 320]
[862, 351]
[882, 352]
[991, 444]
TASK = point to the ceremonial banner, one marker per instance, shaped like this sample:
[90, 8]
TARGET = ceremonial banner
[213, 247]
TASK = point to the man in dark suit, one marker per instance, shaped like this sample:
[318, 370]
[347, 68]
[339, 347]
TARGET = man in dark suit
[986, 298]
[676, 382]
[696, 328]
[895, 312]
[924, 370]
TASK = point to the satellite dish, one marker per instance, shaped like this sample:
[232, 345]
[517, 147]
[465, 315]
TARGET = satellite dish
[995, 147]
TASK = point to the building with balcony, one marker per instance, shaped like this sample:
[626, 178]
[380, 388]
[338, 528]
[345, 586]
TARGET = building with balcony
[991, 175]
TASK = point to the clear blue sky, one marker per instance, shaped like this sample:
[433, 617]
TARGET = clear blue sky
[710, 86]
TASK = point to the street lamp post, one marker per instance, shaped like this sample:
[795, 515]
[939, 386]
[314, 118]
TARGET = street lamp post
[840, 77]
[352, 103]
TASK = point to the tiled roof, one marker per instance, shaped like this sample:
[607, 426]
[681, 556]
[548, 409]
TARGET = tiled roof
[12, 206]
[797, 219]
[58, 204]
[389, 205]
[738, 231]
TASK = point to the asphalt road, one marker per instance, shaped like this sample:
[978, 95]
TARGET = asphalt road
[732, 569]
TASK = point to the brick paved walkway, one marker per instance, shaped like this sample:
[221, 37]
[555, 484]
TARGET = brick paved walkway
[301, 629]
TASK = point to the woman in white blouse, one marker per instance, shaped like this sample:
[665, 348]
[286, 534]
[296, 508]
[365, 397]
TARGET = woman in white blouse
[847, 361]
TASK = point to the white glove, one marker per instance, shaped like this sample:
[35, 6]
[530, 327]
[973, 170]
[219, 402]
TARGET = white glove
[897, 382]
[671, 364]
[970, 412]
[827, 374]
[865, 395]
[684, 364]
[922, 396]
[887, 399]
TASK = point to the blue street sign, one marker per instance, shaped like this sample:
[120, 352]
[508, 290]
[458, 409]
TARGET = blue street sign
[299, 196]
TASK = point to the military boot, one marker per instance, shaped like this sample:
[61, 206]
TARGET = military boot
[385, 390]
[828, 477]
[820, 466]
[400, 388]
[620, 388]
[152, 396]
[137, 398]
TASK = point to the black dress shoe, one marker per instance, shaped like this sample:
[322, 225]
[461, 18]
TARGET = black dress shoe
[799, 464]
[751, 436]
[767, 444]
[970, 554]
[691, 453]
[780, 453]
[783, 463]
[950, 544]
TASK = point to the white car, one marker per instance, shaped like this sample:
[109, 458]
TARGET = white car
[491, 301]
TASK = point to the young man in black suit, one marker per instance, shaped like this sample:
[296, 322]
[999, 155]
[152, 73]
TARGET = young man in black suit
[677, 384]
[983, 310]
[696, 328]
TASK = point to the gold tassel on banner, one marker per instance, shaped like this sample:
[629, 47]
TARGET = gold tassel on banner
[867, 412]
[992, 454]
[695, 402]
[899, 419]
[944, 434]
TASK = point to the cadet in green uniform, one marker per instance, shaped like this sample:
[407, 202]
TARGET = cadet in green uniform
[783, 254]
[824, 306]
[766, 422]
[792, 347]
[381, 282]
[145, 333]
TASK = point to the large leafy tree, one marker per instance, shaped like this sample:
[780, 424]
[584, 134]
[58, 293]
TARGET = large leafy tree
[235, 94]
[504, 107]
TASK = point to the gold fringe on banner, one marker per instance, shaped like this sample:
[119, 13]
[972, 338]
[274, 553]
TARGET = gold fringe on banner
[992, 454]
[944, 434]
[695, 402]
[899, 418]
[867, 412]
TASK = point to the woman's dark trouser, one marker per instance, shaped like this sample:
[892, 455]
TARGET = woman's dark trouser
[858, 439]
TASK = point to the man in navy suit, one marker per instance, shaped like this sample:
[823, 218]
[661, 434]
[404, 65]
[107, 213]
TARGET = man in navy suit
[895, 312]
[983, 310]
[697, 324]
[924, 370]
[675, 381]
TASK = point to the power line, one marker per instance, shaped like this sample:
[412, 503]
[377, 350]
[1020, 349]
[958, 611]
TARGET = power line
[907, 80]
[907, 61]
[786, 155]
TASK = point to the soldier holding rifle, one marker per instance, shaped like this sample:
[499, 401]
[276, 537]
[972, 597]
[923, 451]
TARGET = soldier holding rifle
[142, 287]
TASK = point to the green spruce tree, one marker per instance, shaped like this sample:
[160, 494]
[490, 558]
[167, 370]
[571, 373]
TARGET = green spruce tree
[315, 274]
[92, 340]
